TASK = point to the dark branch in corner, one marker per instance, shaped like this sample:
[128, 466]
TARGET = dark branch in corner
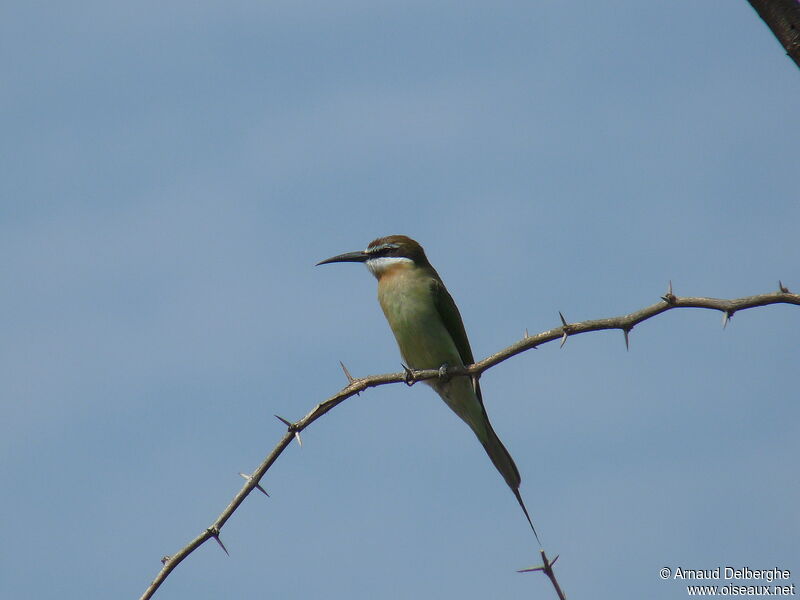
[783, 18]
[624, 323]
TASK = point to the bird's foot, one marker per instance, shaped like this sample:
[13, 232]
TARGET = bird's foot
[444, 376]
[410, 378]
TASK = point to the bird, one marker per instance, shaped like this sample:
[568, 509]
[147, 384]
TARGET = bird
[430, 334]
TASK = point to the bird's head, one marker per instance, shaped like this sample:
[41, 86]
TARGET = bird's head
[385, 253]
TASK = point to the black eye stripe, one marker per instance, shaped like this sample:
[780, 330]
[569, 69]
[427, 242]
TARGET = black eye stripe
[382, 250]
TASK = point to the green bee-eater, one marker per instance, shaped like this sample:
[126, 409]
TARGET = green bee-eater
[430, 333]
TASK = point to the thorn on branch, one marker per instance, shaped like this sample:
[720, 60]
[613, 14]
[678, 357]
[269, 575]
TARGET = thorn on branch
[547, 568]
[165, 559]
[474, 380]
[625, 332]
[257, 486]
[347, 373]
[565, 326]
[727, 316]
[350, 379]
[214, 532]
[782, 287]
[547, 564]
[669, 297]
[526, 337]
[410, 379]
[292, 428]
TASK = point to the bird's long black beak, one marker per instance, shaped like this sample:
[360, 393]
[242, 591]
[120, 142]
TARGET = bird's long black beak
[359, 256]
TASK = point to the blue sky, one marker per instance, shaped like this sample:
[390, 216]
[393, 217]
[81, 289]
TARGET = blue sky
[170, 175]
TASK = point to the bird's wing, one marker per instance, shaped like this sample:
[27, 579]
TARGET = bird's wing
[451, 318]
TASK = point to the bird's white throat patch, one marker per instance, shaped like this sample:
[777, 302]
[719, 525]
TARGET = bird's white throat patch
[378, 266]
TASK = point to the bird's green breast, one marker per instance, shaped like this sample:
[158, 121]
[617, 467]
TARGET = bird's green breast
[407, 301]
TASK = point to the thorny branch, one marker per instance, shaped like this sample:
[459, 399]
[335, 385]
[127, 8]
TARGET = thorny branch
[624, 323]
[547, 568]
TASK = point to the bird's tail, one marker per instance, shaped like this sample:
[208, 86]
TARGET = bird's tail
[463, 396]
[505, 464]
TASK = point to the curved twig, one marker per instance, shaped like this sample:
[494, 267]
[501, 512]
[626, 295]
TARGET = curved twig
[625, 323]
